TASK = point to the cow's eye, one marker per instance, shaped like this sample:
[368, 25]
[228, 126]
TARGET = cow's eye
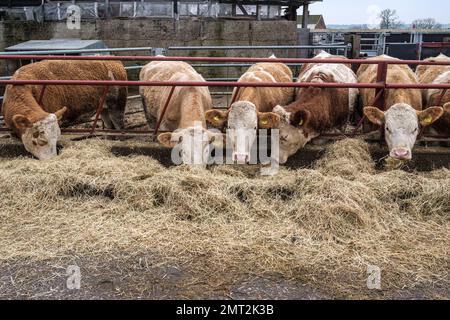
[388, 129]
[415, 130]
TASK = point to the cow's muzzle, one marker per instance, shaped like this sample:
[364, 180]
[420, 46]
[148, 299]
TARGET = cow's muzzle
[401, 154]
[241, 158]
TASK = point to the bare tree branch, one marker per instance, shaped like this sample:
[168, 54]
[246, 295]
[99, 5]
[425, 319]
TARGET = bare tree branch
[389, 19]
[428, 23]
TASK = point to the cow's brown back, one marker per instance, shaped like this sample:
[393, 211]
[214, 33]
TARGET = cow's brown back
[397, 74]
[265, 99]
[187, 105]
[433, 97]
[81, 101]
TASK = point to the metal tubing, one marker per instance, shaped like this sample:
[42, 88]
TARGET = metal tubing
[227, 84]
[224, 59]
[435, 44]
[380, 93]
[67, 131]
[360, 123]
[215, 48]
[205, 65]
[65, 51]
[417, 86]
[380, 85]
[158, 124]
[41, 95]
[99, 109]
[202, 84]
[233, 99]
[441, 96]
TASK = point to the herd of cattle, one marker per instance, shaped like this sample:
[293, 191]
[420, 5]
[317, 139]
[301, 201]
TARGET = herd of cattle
[300, 114]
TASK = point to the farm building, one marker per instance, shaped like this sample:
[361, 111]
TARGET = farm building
[314, 22]
[38, 10]
[220, 150]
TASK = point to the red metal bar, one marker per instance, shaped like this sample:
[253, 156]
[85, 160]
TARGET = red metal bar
[377, 97]
[220, 59]
[417, 86]
[99, 109]
[420, 135]
[380, 86]
[380, 93]
[227, 84]
[233, 100]
[191, 83]
[158, 124]
[360, 123]
[41, 96]
[81, 131]
[441, 97]
[435, 45]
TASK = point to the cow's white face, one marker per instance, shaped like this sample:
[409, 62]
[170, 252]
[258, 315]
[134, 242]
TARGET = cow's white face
[292, 138]
[401, 123]
[192, 144]
[242, 121]
[41, 138]
[241, 130]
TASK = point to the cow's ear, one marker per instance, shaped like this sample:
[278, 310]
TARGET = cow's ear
[375, 115]
[166, 140]
[300, 118]
[217, 118]
[429, 116]
[447, 107]
[21, 122]
[268, 120]
[217, 139]
[60, 113]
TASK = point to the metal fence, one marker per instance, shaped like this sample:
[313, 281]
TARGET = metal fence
[380, 85]
[153, 51]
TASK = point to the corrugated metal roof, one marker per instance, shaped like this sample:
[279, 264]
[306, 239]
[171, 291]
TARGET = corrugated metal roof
[57, 44]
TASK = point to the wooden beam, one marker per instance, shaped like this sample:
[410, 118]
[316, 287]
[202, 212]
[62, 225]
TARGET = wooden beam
[242, 9]
[305, 17]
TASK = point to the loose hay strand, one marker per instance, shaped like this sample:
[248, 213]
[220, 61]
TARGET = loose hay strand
[323, 225]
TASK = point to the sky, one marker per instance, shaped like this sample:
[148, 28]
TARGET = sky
[364, 11]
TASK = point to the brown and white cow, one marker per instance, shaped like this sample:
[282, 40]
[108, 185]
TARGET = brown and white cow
[404, 113]
[185, 114]
[253, 107]
[37, 124]
[433, 97]
[316, 110]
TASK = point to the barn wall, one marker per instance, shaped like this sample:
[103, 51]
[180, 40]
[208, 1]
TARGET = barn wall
[162, 33]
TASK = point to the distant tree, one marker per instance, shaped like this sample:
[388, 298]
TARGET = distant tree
[389, 19]
[428, 23]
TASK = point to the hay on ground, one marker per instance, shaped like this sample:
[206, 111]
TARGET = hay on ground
[323, 225]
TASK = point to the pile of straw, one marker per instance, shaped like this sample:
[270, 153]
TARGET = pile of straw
[323, 225]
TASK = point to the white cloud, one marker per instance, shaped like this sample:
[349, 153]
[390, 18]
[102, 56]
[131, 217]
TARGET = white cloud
[373, 12]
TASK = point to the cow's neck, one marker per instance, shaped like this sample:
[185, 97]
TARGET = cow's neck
[320, 118]
[192, 109]
[20, 101]
[250, 95]
[402, 96]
